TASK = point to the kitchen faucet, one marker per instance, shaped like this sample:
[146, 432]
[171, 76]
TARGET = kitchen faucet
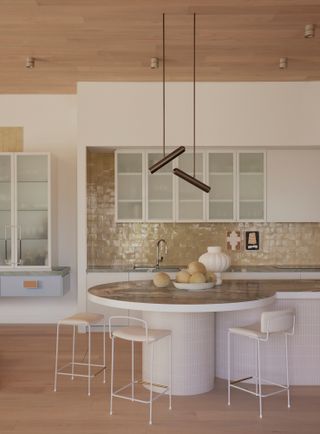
[159, 254]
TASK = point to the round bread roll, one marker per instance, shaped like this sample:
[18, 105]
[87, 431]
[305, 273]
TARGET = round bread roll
[196, 267]
[161, 280]
[183, 276]
[197, 278]
[210, 276]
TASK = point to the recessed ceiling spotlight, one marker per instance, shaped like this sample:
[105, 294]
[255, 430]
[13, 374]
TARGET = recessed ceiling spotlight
[30, 62]
[283, 63]
[154, 62]
[309, 30]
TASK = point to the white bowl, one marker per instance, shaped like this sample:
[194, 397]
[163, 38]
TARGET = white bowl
[193, 286]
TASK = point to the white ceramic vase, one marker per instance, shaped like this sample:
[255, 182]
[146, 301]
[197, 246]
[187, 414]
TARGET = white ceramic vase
[216, 261]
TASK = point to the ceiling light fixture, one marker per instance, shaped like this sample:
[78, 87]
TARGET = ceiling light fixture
[283, 63]
[181, 149]
[178, 172]
[309, 30]
[30, 62]
[154, 62]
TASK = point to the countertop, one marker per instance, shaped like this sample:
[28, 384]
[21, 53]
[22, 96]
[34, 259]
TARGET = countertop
[55, 271]
[231, 295]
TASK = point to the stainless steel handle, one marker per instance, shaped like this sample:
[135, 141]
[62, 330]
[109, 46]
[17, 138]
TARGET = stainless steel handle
[20, 245]
[6, 244]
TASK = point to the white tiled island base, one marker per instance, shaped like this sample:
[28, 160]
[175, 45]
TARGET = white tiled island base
[199, 324]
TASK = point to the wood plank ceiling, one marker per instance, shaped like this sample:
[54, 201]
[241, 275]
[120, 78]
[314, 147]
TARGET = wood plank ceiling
[113, 40]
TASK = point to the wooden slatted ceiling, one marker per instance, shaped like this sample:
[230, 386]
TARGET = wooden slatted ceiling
[113, 40]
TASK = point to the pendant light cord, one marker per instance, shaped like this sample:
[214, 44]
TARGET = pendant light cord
[163, 87]
[194, 95]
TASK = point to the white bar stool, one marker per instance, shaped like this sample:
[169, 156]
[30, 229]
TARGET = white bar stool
[144, 335]
[87, 320]
[276, 322]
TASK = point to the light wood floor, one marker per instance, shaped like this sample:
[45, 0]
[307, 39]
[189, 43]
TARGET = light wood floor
[29, 406]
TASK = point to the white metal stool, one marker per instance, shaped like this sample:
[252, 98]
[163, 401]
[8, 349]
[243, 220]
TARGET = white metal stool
[87, 320]
[144, 335]
[276, 322]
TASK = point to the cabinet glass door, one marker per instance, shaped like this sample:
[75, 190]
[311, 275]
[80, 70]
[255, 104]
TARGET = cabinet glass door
[251, 186]
[129, 186]
[221, 180]
[32, 210]
[5, 210]
[190, 198]
[160, 190]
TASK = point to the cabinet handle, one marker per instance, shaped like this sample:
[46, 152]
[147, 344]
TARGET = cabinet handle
[30, 284]
[20, 246]
[6, 245]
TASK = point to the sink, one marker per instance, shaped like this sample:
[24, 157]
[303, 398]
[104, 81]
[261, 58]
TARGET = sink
[154, 269]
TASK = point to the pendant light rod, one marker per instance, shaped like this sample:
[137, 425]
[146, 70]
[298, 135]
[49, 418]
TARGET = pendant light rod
[178, 172]
[181, 149]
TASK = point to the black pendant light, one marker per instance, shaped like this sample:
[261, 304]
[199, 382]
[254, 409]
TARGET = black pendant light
[166, 158]
[183, 175]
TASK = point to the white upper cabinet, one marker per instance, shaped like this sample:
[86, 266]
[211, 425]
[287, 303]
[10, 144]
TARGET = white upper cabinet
[25, 210]
[293, 183]
[130, 186]
[190, 200]
[159, 190]
[251, 186]
[222, 177]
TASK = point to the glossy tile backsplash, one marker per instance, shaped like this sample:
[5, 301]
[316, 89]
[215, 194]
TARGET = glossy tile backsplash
[128, 243]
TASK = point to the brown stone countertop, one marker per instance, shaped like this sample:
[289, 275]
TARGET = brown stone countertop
[127, 294]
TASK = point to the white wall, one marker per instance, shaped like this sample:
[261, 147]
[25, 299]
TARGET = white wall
[228, 114]
[50, 124]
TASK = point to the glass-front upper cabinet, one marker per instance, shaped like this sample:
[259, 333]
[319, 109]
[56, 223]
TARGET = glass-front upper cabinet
[129, 186]
[25, 210]
[251, 185]
[222, 182]
[190, 203]
[6, 222]
[159, 190]
[32, 199]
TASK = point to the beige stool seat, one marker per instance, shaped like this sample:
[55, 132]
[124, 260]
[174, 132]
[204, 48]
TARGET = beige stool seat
[138, 334]
[271, 323]
[87, 320]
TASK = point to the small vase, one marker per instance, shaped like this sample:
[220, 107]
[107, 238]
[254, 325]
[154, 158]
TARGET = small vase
[216, 261]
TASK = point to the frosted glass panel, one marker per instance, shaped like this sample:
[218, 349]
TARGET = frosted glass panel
[5, 196]
[160, 187]
[251, 162]
[190, 210]
[32, 196]
[185, 163]
[129, 163]
[33, 252]
[251, 186]
[32, 168]
[130, 210]
[129, 187]
[5, 168]
[221, 210]
[160, 210]
[5, 237]
[251, 210]
[221, 162]
[222, 187]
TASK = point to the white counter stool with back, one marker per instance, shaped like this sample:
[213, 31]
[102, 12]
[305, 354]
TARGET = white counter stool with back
[272, 323]
[140, 333]
[88, 320]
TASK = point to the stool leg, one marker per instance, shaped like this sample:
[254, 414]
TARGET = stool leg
[287, 369]
[73, 351]
[259, 378]
[132, 370]
[170, 372]
[229, 368]
[112, 367]
[89, 360]
[56, 362]
[151, 385]
[104, 351]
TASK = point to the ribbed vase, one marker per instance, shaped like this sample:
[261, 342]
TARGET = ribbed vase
[216, 261]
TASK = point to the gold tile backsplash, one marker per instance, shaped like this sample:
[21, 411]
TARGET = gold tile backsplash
[111, 243]
[11, 139]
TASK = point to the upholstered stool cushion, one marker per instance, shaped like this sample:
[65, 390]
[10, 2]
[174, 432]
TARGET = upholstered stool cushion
[138, 334]
[83, 318]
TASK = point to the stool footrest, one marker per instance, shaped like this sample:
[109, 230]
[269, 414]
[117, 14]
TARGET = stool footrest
[141, 381]
[95, 365]
[281, 386]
